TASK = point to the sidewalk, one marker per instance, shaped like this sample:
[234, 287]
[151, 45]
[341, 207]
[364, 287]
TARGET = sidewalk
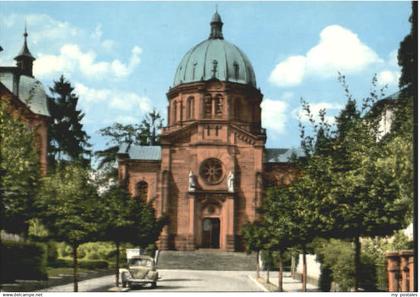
[84, 286]
[289, 284]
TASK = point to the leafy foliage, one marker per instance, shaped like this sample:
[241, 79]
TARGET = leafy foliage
[68, 205]
[362, 194]
[67, 202]
[337, 256]
[16, 255]
[145, 133]
[127, 219]
[19, 172]
[375, 249]
[407, 55]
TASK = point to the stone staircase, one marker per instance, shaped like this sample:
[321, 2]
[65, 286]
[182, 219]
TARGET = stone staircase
[207, 260]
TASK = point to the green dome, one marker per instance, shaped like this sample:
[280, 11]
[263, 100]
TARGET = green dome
[215, 58]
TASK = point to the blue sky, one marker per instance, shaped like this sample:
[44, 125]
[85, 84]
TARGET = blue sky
[121, 57]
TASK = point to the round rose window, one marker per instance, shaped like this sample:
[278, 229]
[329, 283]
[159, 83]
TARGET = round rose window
[211, 171]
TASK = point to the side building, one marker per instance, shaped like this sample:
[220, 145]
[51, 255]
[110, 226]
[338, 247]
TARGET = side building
[26, 99]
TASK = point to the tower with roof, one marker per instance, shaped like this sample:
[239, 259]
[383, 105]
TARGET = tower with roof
[210, 170]
[25, 97]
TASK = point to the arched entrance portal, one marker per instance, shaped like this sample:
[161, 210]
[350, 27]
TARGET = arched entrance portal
[210, 233]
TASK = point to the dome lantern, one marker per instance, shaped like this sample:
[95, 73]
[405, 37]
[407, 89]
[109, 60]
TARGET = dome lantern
[216, 25]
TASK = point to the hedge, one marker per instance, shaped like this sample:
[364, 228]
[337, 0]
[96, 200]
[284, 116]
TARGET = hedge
[87, 264]
[22, 260]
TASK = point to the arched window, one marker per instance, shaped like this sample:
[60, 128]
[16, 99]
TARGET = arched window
[141, 189]
[218, 102]
[236, 69]
[207, 106]
[175, 112]
[190, 107]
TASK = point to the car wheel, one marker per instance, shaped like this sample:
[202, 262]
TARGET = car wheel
[153, 285]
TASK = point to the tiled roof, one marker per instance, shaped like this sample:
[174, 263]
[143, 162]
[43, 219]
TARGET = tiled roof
[281, 155]
[141, 152]
[29, 90]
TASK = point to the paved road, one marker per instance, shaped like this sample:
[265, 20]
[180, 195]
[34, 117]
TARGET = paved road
[179, 280]
[204, 281]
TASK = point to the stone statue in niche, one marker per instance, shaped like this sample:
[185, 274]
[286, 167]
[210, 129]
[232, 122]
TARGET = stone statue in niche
[231, 182]
[191, 182]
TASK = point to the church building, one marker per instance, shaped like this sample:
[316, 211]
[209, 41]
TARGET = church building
[25, 98]
[209, 172]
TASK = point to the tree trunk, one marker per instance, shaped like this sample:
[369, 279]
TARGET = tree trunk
[258, 264]
[268, 274]
[280, 272]
[304, 272]
[293, 266]
[117, 265]
[357, 249]
[75, 273]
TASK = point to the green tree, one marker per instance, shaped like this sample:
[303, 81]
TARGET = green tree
[67, 139]
[400, 142]
[19, 173]
[146, 226]
[67, 204]
[115, 207]
[361, 197]
[277, 212]
[145, 133]
[128, 220]
[255, 238]
[407, 55]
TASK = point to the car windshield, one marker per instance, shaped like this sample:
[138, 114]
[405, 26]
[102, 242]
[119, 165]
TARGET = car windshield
[140, 262]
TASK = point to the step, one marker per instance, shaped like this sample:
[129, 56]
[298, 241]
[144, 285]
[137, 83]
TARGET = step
[207, 260]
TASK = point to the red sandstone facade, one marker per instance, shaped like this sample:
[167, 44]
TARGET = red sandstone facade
[209, 173]
[25, 99]
[38, 123]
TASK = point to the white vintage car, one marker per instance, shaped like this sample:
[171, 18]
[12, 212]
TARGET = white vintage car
[141, 271]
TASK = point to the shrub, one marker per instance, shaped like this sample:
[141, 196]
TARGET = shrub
[52, 253]
[63, 250]
[95, 250]
[337, 258]
[62, 263]
[87, 264]
[23, 260]
[375, 248]
[93, 264]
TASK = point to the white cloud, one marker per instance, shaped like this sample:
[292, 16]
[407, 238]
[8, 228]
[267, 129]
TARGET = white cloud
[43, 28]
[338, 49]
[112, 99]
[90, 95]
[289, 72]
[390, 78]
[52, 38]
[274, 115]
[315, 108]
[71, 58]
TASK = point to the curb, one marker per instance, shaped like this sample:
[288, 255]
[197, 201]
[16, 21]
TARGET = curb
[258, 283]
